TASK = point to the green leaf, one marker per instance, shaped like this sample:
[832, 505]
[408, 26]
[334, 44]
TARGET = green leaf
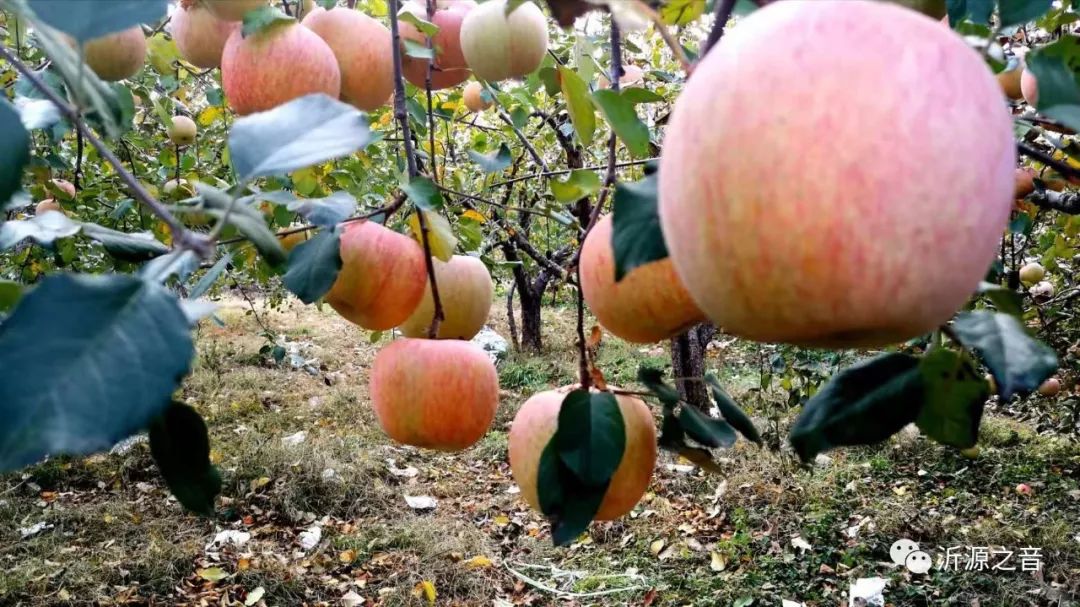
[43, 229]
[731, 411]
[955, 395]
[426, 28]
[180, 445]
[417, 50]
[623, 119]
[1020, 224]
[325, 212]
[134, 247]
[708, 431]
[14, 151]
[88, 19]
[672, 435]
[591, 436]
[862, 405]
[976, 11]
[10, 294]
[114, 349]
[1018, 362]
[210, 277]
[1004, 299]
[423, 192]
[1054, 67]
[637, 95]
[303, 132]
[493, 162]
[519, 117]
[582, 113]
[245, 218]
[550, 77]
[681, 12]
[569, 504]
[259, 20]
[1017, 12]
[653, 380]
[636, 237]
[579, 184]
[314, 265]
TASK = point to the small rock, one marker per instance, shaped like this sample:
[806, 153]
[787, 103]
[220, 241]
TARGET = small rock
[32, 530]
[867, 591]
[294, 439]
[420, 502]
[310, 538]
[229, 537]
[493, 344]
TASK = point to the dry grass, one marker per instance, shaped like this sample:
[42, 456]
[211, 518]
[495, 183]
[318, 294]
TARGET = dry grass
[118, 536]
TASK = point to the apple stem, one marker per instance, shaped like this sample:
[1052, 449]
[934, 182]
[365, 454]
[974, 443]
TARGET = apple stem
[723, 13]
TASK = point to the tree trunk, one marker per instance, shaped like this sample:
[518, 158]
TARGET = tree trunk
[514, 341]
[688, 360]
[530, 321]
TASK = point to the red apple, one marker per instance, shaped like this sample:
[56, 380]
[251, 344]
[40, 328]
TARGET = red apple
[465, 291]
[498, 46]
[200, 36]
[364, 54]
[450, 67]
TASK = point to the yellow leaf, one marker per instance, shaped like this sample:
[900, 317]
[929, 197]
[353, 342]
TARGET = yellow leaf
[259, 482]
[718, 562]
[478, 562]
[210, 115]
[657, 546]
[440, 234]
[502, 520]
[162, 53]
[474, 215]
[425, 589]
[243, 564]
[213, 574]
[347, 556]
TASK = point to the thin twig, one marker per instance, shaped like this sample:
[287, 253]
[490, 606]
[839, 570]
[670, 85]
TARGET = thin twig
[722, 14]
[521, 136]
[388, 210]
[672, 43]
[182, 237]
[599, 167]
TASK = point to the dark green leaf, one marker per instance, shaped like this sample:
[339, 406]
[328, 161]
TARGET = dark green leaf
[181, 448]
[1020, 224]
[976, 11]
[569, 504]
[708, 431]
[1018, 362]
[519, 117]
[303, 132]
[1017, 12]
[623, 119]
[493, 162]
[591, 436]
[1055, 69]
[114, 349]
[423, 192]
[862, 405]
[637, 95]
[731, 411]
[10, 293]
[14, 151]
[582, 113]
[134, 247]
[955, 395]
[88, 19]
[258, 20]
[314, 265]
[550, 77]
[636, 238]
[43, 229]
[653, 380]
[210, 277]
[426, 27]
[1004, 299]
[579, 184]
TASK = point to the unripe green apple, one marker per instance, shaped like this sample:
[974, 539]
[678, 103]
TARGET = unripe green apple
[1032, 273]
[498, 46]
[117, 56]
[182, 131]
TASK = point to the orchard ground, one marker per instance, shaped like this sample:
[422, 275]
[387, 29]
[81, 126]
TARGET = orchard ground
[765, 528]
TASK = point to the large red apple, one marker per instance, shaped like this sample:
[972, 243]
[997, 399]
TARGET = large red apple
[232, 10]
[789, 221]
[275, 66]
[200, 36]
[47, 205]
[649, 304]
[437, 394]
[450, 67]
[117, 56]
[535, 424]
[364, 54]
[498, 46]
[382, 276]
[465, 291]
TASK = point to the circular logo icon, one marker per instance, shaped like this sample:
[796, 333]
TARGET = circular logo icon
[918, 562]
[901, 549]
